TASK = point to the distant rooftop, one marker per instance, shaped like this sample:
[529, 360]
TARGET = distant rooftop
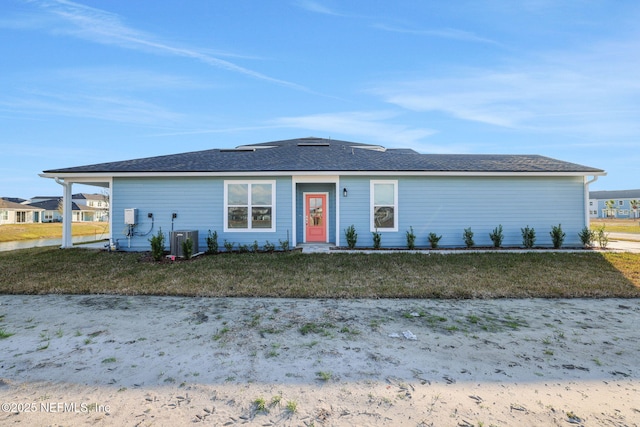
[615, 194]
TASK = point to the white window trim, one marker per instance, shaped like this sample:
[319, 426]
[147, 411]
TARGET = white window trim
[249, 229]
[372, 224]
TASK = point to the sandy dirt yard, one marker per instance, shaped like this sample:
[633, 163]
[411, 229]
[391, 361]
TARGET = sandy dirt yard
[167, 361]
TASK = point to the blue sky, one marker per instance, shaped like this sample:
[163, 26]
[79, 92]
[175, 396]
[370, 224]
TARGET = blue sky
[94, 81]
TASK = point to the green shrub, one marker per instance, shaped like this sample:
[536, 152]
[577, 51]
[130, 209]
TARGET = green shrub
[557, 236]
[255, 247]
[377, 239]
[269, 247]
[528, 237]
[212, 242]
[352, 236]
[228, 246]
[284, 244]
[157, 245]
[243, 249]
[603, 237]
[187, 248]
[587, 237]
[496, 236]
[467, 236]
[411, 239]
[434, 239]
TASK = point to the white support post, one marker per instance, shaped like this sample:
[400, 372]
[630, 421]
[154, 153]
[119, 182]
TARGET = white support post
[67, 213]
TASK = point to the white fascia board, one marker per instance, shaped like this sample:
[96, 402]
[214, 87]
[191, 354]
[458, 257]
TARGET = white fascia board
[315, 178]
[78, 178]
[87, 177]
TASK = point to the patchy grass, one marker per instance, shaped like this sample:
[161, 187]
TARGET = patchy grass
[616, 225]
[587, 274]
[324, 375]
[14, 232]
[4, 334]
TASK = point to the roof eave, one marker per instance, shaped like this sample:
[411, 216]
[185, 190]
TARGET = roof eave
[109, 175]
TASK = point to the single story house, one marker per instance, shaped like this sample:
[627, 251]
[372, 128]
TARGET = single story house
[79, 213]
[310, 190]
[614, 204]
[18, 213]
[98, 205]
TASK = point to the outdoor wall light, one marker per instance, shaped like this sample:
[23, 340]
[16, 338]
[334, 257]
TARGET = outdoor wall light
[344, 192]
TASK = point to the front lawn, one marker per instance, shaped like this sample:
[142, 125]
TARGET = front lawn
[297, 275]
[52, 230]
[614, 225]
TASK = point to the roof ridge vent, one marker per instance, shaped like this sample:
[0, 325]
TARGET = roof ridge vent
[314, 144]
[379, 148]
[246, 148]
[241, 148]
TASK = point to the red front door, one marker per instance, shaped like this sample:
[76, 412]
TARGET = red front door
[315, 217]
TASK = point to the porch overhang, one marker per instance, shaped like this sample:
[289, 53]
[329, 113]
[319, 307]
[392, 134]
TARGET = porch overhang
[67, 194]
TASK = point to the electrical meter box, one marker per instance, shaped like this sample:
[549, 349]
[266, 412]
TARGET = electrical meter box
[131, 216]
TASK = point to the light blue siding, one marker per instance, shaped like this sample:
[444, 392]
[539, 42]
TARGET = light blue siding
[443, 205]
[448, 205]
[199, 205]
[354, 210]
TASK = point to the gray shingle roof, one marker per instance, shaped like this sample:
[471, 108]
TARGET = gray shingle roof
[54, 205]
[5, 204]
[316, 154]
[615, 194]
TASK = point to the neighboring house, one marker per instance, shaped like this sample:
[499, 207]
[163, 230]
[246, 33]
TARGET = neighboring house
[97, 203]
[17, 213]
[614, 204]
[51, 211]
[85, 207]
[309, 190]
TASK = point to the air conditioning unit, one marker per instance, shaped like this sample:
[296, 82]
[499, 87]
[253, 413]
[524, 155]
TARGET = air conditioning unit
[176, 238]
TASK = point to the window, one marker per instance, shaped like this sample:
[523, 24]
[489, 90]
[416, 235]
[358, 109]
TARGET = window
[384, 205]
[249, 205]
[21, 216]
[4, 215]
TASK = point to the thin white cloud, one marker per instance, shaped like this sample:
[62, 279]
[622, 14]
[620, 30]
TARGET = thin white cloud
[315, 7]
[115, 108]
[103, 27]
[593, 92]
[445, 33]
[105, 93]
[366, 126]
[218, 130]
[370, 126]
[113, 78]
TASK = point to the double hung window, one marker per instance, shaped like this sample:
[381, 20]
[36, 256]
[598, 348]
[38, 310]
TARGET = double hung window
[384, 205]
[249, 205]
